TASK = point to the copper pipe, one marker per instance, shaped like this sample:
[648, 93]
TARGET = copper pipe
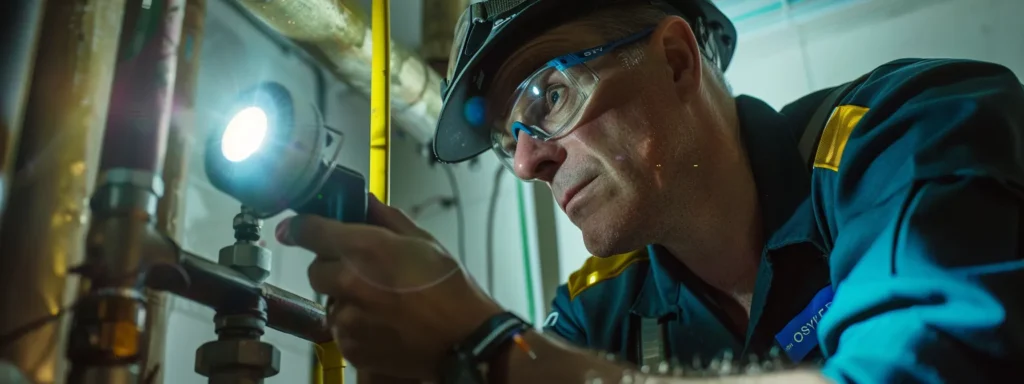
[107, 332]
[54, 173]
[19, 33]
[179, 146]
[332, 33]
[140, 105]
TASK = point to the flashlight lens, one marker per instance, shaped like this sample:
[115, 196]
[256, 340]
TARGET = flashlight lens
[244, 134]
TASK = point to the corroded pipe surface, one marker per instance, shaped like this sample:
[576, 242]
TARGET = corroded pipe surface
[54, 174]
[179, 146]
[296, 315]
[333, 34]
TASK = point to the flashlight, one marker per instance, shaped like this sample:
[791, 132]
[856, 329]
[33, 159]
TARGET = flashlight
[274, 152]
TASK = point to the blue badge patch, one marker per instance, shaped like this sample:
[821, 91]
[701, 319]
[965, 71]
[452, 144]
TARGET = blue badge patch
[800, 336]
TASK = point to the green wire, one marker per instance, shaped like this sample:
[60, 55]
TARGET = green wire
[526, 252]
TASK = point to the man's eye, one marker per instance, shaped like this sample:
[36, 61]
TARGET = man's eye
[554, 95]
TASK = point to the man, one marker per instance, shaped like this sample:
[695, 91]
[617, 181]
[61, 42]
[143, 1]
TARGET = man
[872, 228]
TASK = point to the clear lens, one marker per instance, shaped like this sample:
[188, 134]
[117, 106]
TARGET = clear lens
[549, 102]
[244, 134]
[273, 154]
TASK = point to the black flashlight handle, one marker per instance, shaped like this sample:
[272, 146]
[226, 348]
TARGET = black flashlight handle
[342, 197]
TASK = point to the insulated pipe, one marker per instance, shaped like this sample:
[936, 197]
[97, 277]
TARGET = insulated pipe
[179, 146]
[19, 32]
[334, 35]
[55, 168]
[439, 18]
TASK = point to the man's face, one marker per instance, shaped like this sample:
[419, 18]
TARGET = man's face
[634, 155]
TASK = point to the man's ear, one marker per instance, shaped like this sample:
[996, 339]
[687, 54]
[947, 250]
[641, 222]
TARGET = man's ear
[675, 42]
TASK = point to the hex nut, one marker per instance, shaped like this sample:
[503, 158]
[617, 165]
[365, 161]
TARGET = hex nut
[246, 218]
[251, 260]
[252, 354]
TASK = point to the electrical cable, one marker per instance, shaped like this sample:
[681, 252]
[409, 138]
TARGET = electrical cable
[459, 211]
[492, 207]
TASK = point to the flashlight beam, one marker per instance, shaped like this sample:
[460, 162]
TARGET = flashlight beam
[380, 102]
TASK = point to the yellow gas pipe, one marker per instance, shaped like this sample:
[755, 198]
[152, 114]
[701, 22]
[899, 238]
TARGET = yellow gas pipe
[380, 106]
[332, 364]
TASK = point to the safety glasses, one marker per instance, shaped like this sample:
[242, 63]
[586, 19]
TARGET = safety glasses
[550, 102]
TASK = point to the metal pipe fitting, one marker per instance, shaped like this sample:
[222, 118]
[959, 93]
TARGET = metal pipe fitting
[245, 255]
[218, 286]
[109, 320]
[238, 356]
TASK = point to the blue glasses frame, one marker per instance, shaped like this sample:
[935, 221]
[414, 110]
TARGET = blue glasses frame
[561, 63]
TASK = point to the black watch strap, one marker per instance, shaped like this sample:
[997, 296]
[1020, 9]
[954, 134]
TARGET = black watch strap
[461, 366]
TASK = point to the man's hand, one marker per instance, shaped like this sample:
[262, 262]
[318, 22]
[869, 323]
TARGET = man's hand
[399, 301]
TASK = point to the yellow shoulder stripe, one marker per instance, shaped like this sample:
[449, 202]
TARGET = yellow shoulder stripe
[598, 269]
[837, 131]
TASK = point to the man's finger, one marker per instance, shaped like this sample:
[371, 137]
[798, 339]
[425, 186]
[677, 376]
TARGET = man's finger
[332, 238]
[329, 278]
[381, 214]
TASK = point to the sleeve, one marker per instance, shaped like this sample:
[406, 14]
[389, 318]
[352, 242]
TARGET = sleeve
[927, 210]
[563, 321]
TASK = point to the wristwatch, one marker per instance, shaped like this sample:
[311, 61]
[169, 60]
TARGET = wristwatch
[466, 362]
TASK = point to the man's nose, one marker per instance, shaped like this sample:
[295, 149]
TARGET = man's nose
[537, 159]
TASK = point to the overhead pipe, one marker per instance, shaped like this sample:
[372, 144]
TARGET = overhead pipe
[54, 171]
[331, 32]
[180, 139]
[439, 18]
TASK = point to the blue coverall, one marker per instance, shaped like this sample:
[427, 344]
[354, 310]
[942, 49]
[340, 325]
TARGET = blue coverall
[909, 210]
